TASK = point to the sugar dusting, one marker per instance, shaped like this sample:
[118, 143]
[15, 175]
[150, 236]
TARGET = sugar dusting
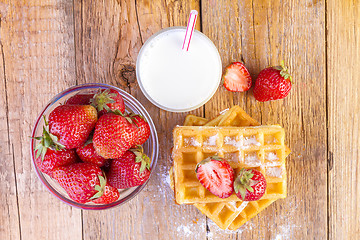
[252, 160]
[274, 172]
[211, 141]
[248, 141]
[232, 141]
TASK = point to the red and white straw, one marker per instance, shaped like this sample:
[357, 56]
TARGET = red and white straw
[190, 29]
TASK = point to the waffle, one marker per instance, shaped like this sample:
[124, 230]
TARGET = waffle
[229, 215]
[260, 147]
[235, 117]
[192, 120]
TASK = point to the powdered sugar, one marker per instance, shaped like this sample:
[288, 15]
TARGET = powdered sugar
[232, 141]
[274, 172]
[252, 159]
[191, 141]
[248, 141]
[271, 156]
[211, 141]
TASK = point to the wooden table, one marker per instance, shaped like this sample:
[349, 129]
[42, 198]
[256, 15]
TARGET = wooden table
[47, 46]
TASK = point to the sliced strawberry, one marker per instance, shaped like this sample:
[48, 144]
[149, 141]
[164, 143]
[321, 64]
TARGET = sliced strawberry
[237, 78]
[216, 175]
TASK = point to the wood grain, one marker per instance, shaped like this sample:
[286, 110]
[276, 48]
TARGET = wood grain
[49, 45]
[260, 34]
[37, 62]
[108, 54]
[343, 66]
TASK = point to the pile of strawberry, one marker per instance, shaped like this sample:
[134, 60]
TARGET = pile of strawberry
[92, 147]
[217, 176]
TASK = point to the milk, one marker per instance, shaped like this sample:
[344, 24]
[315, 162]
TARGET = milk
[174, 79]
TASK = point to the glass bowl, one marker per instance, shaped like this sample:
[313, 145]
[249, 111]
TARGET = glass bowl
[151, 146]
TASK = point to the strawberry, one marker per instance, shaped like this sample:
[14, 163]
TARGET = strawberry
[72, 124]
[113, 135]
[236, 77]
[144, 129]
[250, 185]
[87, 153]
[108, 194]
[50, 153]
[80, 99]
[108, 100]
[272, 83]
[130, 170]
[53, 159]
[216, 175]
[79, 180]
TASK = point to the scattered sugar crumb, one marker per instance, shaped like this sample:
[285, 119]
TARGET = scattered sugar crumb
[184, 229]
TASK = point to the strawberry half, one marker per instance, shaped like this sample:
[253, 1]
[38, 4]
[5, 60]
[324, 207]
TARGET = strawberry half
[216, 175]
[250, 185]
[237, 78]
[272, 83]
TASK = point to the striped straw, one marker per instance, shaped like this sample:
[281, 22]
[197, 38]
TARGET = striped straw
[190, 29]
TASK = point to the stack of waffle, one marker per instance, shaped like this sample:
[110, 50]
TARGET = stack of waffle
[240, 139]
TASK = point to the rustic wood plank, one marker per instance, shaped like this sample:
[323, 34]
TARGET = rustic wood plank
[261, 33]
[343, 64]
[9, 218]
[108, 38]
[38, 53]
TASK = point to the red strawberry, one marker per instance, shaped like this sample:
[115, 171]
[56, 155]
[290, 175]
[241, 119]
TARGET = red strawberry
[50, 153]
[114, 134]
[53, 159]
[272, 83]
[80, 99]
[216, 175]
[237, 78]
[72, 124]
[144, 129]
[87, 153]
[250, 185]
[109, 194]
[130, 170]
[106, 100]
[79, 180]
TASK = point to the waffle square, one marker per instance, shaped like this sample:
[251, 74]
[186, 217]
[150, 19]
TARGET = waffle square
[260, 147]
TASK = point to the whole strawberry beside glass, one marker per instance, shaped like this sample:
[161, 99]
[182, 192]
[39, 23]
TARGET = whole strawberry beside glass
[76, 138]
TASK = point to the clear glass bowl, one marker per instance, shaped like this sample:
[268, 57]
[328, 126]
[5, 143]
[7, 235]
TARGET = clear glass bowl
[151, 146]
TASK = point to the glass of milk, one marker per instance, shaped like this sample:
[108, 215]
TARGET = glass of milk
[177, 80]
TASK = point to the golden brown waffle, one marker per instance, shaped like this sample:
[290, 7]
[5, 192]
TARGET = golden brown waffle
[192, 120]
[260, 147]
[229, 215]
[234, 116]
